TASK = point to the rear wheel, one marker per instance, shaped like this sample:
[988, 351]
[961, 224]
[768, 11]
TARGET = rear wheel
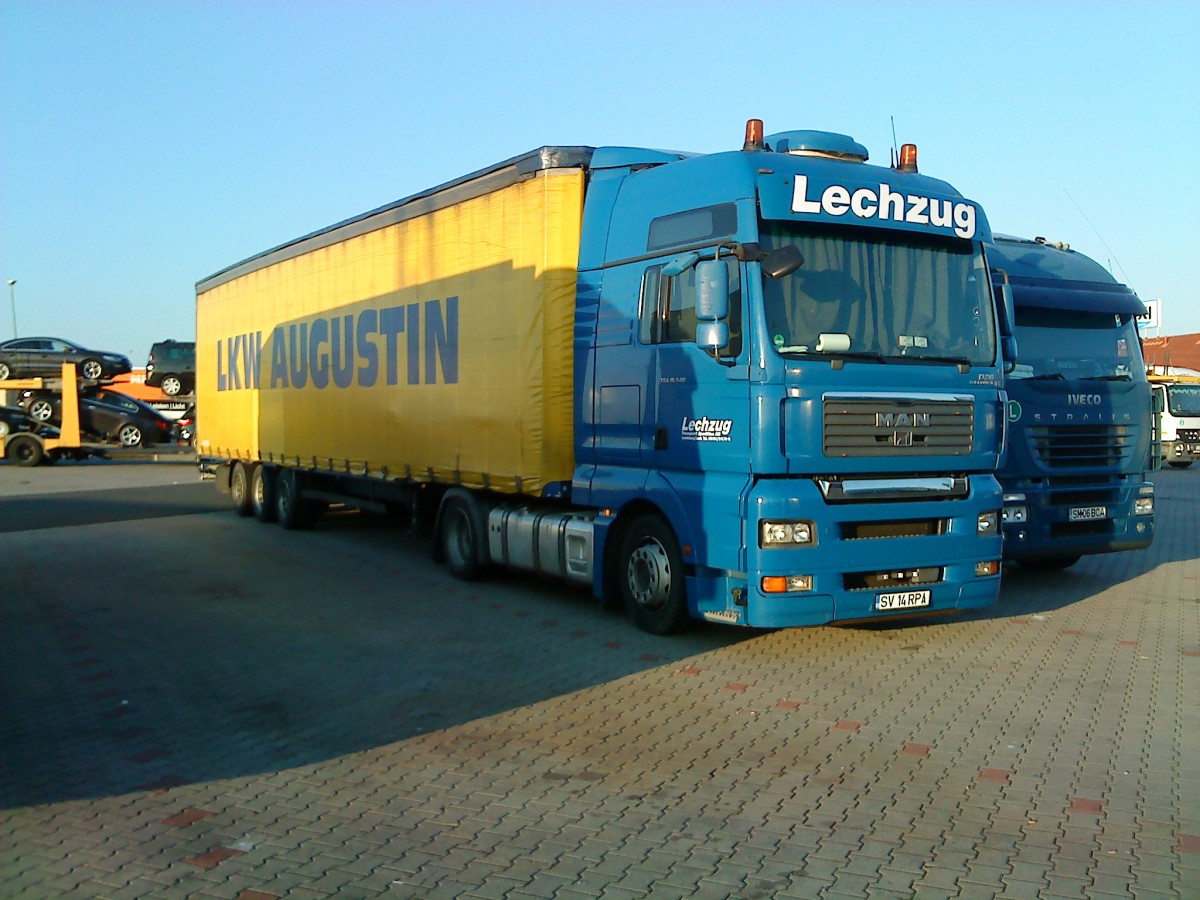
[262, 494]
[129, 435]
[24, 450]
[91, 369]
[650, 576]
[239, 488]
[291, 510]
[461, 536]
[171, 385]
[5, 372]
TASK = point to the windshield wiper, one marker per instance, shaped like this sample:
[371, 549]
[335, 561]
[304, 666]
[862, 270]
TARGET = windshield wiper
[1122, 377]
[1053, 376]
[954, 360]
[857, 354]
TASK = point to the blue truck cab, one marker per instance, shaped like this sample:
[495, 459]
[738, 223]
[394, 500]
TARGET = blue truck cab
[789, 405]
[1080, 414]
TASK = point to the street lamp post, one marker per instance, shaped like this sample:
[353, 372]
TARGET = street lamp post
[12, 299]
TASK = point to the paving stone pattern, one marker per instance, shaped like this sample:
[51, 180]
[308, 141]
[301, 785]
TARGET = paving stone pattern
[242, 712]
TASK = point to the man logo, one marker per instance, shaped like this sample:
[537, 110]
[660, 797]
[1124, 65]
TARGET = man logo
[902, 420]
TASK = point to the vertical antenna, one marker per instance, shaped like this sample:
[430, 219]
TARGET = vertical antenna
[1102, 240]
[895, 145]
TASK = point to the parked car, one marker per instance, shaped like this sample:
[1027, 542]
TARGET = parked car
[14, 419]
[44, 356]
[172, 367]
[106, 414]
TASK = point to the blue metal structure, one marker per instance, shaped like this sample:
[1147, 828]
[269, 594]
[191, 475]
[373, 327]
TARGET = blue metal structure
[819, 443]
[1081, 422]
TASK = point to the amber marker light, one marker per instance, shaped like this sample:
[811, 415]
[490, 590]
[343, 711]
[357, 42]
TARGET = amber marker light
[908, 157]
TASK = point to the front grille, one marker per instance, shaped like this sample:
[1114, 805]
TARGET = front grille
[891, 578]
[1081, 446]
[865, 531]
[1191, 435]
[881, 426]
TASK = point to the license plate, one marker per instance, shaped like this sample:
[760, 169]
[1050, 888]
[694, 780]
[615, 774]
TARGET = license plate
[902, 600]
[1084, 513]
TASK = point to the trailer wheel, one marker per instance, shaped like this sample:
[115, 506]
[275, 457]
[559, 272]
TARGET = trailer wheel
[461, 536]
[650, 576]
[262, 493]
[1180, 465]
[1051, 563]
[239, 488]
[291, 510]
[24, 450]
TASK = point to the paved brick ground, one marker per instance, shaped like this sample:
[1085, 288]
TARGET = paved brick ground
[241, 712]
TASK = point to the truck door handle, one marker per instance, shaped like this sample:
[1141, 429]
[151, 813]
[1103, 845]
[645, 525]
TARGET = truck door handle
[660, 438]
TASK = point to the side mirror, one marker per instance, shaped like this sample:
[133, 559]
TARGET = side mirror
[712, 336]
[782, 261]
[712, 290]
[1005, 315]
[1008, 350]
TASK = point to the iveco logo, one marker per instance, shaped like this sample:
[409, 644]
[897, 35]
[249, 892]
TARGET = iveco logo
[903, 420]
[1083, 399]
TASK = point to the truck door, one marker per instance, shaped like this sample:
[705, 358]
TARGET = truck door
[697, 419]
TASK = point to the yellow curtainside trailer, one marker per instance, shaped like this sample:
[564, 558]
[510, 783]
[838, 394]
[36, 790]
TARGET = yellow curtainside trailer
[427, 341]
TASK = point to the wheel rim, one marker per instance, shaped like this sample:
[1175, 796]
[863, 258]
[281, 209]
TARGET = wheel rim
[4, 372]
[92, 369]
[130, 436]
[171, 386]
[260, 491]
[649, 575]
[283, 498]
[41, 410]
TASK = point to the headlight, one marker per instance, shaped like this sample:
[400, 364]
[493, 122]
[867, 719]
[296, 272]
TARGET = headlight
[987, 522]
[1015, 514]
[786, 533]
[1143, 506]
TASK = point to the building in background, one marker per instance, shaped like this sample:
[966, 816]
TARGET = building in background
[1173, 355]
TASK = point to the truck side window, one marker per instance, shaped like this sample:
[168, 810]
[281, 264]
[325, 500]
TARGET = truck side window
[668, 308]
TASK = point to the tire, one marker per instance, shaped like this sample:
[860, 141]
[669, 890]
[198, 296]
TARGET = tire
[172, 386]
[291, 509]
[262, 493]
[5, 372]
[130, 435]
[91, 369]
[1179, 465]
[42, 409]
[24, 450]
[239, 488]
[462, 536]
[650, 576]
[1050, 563]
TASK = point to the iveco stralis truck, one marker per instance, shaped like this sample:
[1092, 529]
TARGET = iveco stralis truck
[759, 387]
[1080, 417]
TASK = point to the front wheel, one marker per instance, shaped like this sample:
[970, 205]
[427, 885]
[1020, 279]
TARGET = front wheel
[42, 409]
[650, 576]
[24, 450]
[91, 369]
[5, 372]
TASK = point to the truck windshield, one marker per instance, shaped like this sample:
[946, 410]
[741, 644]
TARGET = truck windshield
[1183, 399]
[880, 295]
[1070, 345]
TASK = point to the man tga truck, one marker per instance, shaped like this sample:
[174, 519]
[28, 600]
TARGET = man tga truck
[1179, 400]
[759, 387]
[1080, 418]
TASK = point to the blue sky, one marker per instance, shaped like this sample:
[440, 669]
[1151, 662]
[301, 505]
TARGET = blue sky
[145, 145]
